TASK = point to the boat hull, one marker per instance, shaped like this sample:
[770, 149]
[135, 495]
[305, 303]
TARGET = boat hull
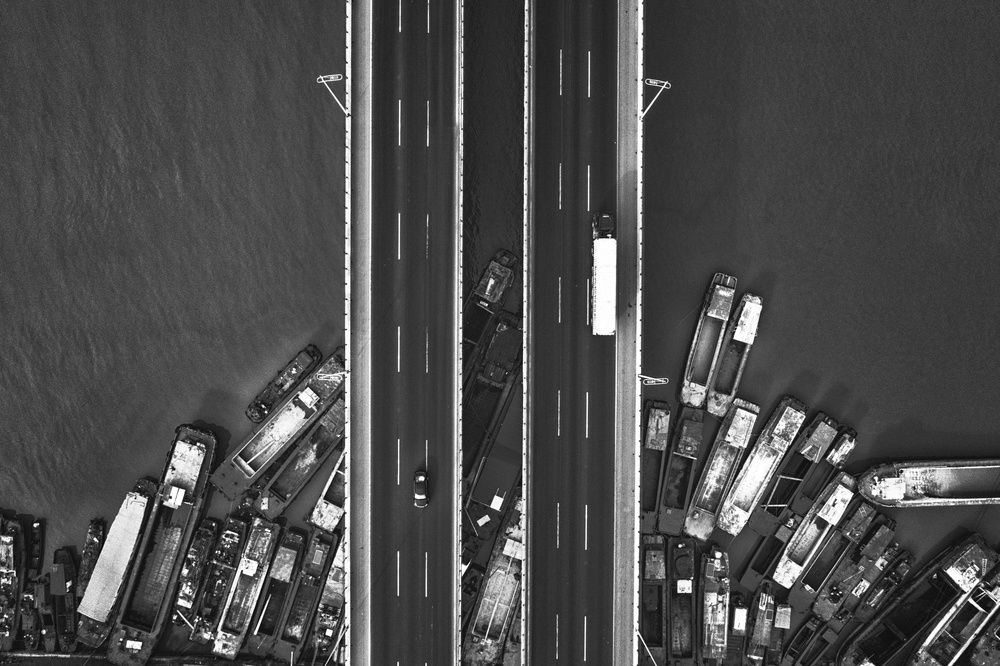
[933, 483]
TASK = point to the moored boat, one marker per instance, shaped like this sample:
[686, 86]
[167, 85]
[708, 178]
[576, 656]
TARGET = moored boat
[148, 598]
[899, 562]
[707, 340]
[682, 648]
[31, 632]
[652, 603]
[99, 605]
[281, 429]
[737, 631]
[960, 626]
[88, 558]
[271, 607]
[45, 603]
[654, 454]
[251, 573]
[740, 335]
[761, 622]
[283, 383]
[62, 583]
[11, 582]
[721, 468]
[34, 546]
[221, 570]
[192, 575]
[330, 613]
[715, 605]
[823, 517]
[329, 508]
[677, 483]
[932, 483]
[294, 627]
[855, 570]
[324, 439]
[912, 611]
[483, 305]
[773, 442]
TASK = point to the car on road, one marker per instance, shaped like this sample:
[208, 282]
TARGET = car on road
[420, 486]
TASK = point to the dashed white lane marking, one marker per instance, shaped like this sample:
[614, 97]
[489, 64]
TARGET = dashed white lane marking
[399, 122]
[560, 186]
[558, 412]
[586, 421]
[588, 187]
[398, 465]
[397, 573]
[560, 299]
[588, 73]
[427, 351]
[399, 236]
[557, 524]
[399, 336]
[560, 72]
[557, 636]
[585, 638]
[425, 574]
[428, 137]
[586, 526]
[400, 24]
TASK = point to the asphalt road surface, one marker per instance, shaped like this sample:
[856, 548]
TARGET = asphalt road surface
[414, 303]
[572, 432]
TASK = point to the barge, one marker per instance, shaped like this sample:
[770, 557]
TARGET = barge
[762, 463]
[281, 429]
[91, 550]
[721, 468]
[652, 609]
[824, 471]
[271, 608]
[761, 622]
[654, 454]
[254, 564]
[34, 546]
[329, 508]
[11, 581]
[822, 518]
[768, 551]
[740, 335]
[283, 383]
[323, 440]
[483, 305]
[707, 341]
[853, 570]
[986, 650]
[932, 483]
[960, 626]
[900, 562]
[148, 599]
[221, 570]
[715, 605]
[193, 571]
[909, 614]
[46, 614]
[677, 483]
[294, 627]
[738, 631]
[837, 546]
[62, 583]
[682, 612]
[798, 466]
[330, 613]
[30, 623]
[99, 606]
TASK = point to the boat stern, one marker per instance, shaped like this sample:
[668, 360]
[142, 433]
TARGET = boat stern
[699, 524]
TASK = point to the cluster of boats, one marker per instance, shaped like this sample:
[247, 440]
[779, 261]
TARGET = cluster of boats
[821, 551]
[242, 581]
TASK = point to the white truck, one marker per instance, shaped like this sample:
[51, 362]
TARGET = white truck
[604, 278]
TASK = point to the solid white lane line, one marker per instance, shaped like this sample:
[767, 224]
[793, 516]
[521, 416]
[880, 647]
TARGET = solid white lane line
[557, 636]
[398, 338]
[397, 573]
[398, 465]
[560, 299]
[399, 235]
[588, 187]
[425, 574]
[585, 638]
[560, 72]
[586, 421]
[557, 524]
[586, 526]
[558, 412]
[560, 186]
[588, 73]
[428, 140]
[399, 122]
[427, 351]
[427, 236]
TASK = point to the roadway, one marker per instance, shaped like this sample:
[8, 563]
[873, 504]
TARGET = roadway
[572, 378]
[414, 296]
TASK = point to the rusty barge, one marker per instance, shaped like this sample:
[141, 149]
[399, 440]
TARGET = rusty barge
[932, 483]
[707, 342]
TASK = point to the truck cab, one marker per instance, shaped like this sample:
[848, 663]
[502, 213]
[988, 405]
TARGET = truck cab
[603, 225]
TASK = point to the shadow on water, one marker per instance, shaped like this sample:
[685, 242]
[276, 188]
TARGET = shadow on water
[210, 405]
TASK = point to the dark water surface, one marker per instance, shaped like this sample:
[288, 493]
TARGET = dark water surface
[840, 159]
[173, 232]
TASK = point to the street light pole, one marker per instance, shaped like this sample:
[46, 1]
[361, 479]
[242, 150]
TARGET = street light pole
[325, 80]
[656, 83]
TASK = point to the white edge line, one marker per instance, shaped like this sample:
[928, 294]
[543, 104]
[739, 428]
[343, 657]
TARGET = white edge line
[527, 262]
[457, 342]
